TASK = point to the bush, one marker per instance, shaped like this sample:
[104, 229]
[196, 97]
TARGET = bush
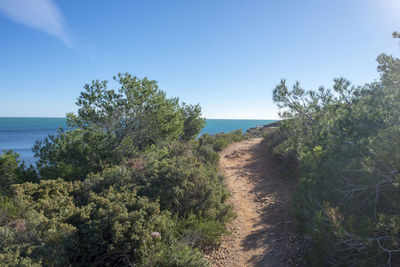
[175, 177]
[126, 184]
[175, 254]
[220, 141]
[198, 232]
[193, 123]
[285, 156]
[112, 227]
[111, 126]
[207, 155]
[346, 145]
[109, 217]
[12, 171]
[8, 211]
[72, 155]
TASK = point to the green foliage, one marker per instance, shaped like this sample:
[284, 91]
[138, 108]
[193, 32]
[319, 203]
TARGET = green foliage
[114, 228]
[193, 123]
[285, 156]
[220, 141]
[176, 177]
[345, 142]
[12, 171]
[8, 211]
[73, 154]
[14, 258]
[112, 125]
[138, 110]
[263, 130]
[175, 254]
[108, 219]
[198, 232]
[125, 185]
[62, 223]
[207, 155]
[274, 137]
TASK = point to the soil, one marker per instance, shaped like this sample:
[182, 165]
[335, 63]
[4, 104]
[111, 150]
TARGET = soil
[263, 234]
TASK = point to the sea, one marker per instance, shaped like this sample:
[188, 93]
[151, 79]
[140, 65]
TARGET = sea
[20, 134]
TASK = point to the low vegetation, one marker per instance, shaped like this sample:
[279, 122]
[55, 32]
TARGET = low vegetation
[126, 184]
[344, 145]
[220, 141]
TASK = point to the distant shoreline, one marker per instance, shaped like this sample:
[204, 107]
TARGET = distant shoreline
[27, 117]
[21, 133]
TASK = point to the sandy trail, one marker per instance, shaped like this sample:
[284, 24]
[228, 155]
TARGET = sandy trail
[263, 234]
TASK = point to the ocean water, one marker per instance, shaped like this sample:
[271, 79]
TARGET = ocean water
[20, 134]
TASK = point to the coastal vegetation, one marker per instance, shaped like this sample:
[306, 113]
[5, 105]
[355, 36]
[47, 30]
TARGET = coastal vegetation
[220, 141]
[131, 182]
[343, 143]
[126, 184]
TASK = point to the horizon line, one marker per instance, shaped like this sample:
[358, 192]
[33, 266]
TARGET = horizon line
[56, 117]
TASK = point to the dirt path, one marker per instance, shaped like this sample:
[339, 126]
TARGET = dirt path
[263, 233]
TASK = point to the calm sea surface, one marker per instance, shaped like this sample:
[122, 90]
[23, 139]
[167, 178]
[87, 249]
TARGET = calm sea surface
[20, 134]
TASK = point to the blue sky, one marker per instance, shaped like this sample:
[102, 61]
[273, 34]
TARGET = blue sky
[226, 55]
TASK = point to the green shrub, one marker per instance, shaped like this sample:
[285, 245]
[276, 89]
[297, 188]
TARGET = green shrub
[175, 254]
[198, 232]
[220, 141]
[111, 126]
[127, 184]
[193, 123]
[174, 176]
[72, 155]
[10, 257]
[114, 228]
[346, 146]
[12, 171]
[207, 155]
[274, 137]
[184, 185]
[108, 228]
[108, 218]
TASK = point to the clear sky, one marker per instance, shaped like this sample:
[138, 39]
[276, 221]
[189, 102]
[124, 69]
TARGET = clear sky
[226, 55]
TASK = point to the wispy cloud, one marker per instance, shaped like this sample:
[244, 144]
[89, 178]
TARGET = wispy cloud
[39, 14]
